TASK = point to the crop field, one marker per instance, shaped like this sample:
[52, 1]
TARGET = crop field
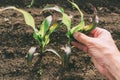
[35, 40]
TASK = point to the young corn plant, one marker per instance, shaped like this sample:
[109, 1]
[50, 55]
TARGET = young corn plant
[42, 35]
[66, 20]
[43, 38]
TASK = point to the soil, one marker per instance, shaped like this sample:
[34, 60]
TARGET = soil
[16, 38]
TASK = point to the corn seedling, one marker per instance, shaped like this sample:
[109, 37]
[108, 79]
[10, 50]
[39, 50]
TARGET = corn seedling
[42, 35]
[66, 56]
[66, 21]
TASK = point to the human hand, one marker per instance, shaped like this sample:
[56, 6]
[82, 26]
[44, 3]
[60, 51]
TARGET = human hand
[100, 46]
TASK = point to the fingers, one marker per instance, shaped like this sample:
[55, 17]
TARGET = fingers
[80, 37]
[97, 29]
[80, 46]
[99, 32]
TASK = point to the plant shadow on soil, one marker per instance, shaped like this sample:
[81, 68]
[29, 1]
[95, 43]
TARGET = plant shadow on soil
[16, 38]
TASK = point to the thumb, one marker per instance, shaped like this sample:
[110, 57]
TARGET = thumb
[82, 38]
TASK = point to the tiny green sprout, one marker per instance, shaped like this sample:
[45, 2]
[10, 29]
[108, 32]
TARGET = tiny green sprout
[65, 58]
[30, 55]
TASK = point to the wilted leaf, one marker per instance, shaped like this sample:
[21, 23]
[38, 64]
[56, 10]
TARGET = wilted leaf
[54, 7]
[53, 51]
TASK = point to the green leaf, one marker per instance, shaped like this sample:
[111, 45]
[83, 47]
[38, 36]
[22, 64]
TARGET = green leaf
[69, 35]
[47, 39]
[65, 19]
[54, 26]
[50, 31]
[81, 25]
[28, 17]
[89, 28]
[45, 26]
[37, 36]
[76, 6]
[53, 51]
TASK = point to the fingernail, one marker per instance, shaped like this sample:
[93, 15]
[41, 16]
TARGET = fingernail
[75, 35]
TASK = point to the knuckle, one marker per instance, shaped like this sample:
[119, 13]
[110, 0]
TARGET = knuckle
[107, 32]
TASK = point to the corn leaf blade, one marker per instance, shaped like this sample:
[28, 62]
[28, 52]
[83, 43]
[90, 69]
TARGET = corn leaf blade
[54, 27]
[81, 25]
[76, 6]
[51, 30]
[89, 28]
[65, 19]
[45, 26]
[29, 20]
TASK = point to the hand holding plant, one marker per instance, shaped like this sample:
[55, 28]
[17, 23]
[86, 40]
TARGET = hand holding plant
[101, 48]
[66, 20]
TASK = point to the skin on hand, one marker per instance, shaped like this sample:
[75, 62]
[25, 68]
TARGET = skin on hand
[100, 47]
